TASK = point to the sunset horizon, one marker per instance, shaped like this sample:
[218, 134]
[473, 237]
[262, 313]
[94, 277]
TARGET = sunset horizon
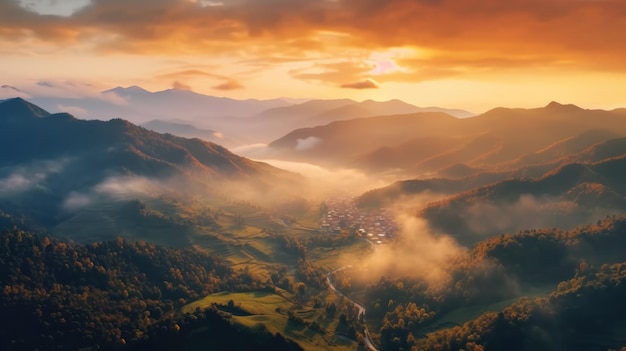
[472, 55]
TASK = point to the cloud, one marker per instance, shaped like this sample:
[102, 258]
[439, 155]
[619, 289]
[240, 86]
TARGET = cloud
[330, 182]
[230, 84]
[416, 251]
[117, 188]
[258, 150]
[7, 92]
[364, 84]
[557, 32]
[76, 201]
[128, 187]
[335, 73]
[198, 75]
[190, 73]
[71, 90]
[54, 7]
[17, 183]
[17, 180]
[496, 217]
[307, 143]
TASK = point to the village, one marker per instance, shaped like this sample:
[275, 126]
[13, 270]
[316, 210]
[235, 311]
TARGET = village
[342, 216]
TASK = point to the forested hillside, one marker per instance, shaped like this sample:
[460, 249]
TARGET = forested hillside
[494, 274]
[58, 295]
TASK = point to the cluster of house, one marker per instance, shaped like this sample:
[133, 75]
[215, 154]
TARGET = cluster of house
[342, 216]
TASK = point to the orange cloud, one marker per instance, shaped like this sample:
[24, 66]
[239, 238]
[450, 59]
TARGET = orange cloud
[190, 73]
[365, 84]
[465, 35]
[335, 73]
[230, 84]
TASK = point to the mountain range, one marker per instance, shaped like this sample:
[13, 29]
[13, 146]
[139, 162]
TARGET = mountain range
[423, 143]
[239, 122]
[53, 165]
[238, 273]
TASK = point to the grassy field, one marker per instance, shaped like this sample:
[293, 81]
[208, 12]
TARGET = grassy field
[331, 258]
[270, 309]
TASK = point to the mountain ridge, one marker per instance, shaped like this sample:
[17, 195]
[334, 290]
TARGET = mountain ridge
[502, 138]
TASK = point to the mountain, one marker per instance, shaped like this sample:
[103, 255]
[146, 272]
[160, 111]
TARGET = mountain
[610, 148]
[499, 139]
[461, 178]
[342, 141]
[369, 108]
[138, 105]
[568, 146]
[565, 197]
[181, 129]
[242, 122]
[279, 121]
[52, 165]
[194, 104]
[14, 110]
[40, 135]
[455, 179]
[303, 110]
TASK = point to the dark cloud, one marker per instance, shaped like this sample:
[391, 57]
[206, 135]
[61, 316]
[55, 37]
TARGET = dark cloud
[230, 84]
[365, 84]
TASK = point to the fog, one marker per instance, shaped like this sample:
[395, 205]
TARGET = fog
[416, 251]
[527, 212]
[19, 179]
[117, 188]
[323, 182]
[483, 219]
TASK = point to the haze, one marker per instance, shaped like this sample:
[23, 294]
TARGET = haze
[336, 175]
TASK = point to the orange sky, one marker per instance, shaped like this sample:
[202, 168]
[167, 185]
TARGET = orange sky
[472, 54]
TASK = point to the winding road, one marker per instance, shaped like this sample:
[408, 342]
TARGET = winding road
[367, 340]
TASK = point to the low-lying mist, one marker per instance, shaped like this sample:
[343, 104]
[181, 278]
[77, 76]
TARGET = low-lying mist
[323, 182]
[470, 222]
[416, 251]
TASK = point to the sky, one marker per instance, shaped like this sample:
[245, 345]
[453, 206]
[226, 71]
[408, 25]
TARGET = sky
[470, 54]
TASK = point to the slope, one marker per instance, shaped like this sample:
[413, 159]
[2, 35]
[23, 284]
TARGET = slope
[500, 139]
[568, 196]
[53, 163]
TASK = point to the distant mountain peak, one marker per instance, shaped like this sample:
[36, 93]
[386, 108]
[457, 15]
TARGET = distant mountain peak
[20, 108]
[133, 89]
[553, 105]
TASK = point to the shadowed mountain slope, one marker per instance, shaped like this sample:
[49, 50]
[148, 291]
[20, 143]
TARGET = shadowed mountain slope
[568, 196]
[55, 164]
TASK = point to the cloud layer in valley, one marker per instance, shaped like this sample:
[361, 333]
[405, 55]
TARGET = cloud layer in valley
[19, 179]
[416, 251]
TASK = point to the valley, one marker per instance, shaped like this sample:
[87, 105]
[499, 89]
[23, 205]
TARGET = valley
[118, 237]
[306, 175]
